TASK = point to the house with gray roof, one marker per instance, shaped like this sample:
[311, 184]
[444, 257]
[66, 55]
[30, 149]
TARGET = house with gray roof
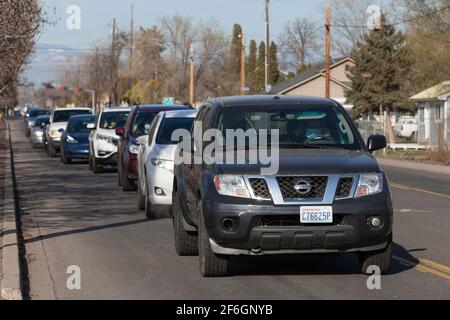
[311, 82]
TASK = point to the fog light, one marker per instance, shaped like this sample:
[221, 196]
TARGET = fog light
[228, 224]
[159, 192]
[375, 222]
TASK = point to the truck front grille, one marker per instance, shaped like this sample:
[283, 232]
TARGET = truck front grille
[318, 186]
[260, 188]
[344, 188]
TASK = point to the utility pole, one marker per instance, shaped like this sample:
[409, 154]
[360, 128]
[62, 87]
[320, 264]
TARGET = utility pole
[131, 36]
[328, 52]
[191, 75]
[266, 66]
[242, 63]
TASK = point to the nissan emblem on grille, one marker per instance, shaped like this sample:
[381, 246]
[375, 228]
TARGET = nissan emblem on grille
[303, 187]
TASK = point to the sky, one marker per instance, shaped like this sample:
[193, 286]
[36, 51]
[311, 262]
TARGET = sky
[96, 16]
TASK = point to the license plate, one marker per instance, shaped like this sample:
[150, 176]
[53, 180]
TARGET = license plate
[316, 214]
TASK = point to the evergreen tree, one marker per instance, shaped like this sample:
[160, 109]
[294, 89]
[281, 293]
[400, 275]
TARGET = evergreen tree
[381, 73]
[251, 66]
[260, 69]
[274, 72]
[235, 50]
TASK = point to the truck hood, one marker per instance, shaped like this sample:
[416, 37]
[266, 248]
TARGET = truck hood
[310, 161]
[58, 125]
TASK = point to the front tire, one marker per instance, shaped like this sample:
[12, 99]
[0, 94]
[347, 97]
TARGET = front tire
[64, 159]
[381, 258]
[211, 264]
[127, 185]
[95, 167]
[51, 151]
[141, 196]
[90, 163]
[186, 243]
[149, 212]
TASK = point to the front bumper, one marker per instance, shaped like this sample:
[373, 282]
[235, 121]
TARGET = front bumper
[109, 160]
[76, 151]
[55, 142]
[163, 179]
[37, 140]
[261, 227]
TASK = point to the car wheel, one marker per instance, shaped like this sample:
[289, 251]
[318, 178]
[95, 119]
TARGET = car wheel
[51, 151]
[90, 164]
[95, 167]
[64, 159]
[149, 212]
[127, 185]
[381, 258]
[186, 243]
[211, 264]
[141, 196]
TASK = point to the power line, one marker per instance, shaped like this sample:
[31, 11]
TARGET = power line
[397, 22]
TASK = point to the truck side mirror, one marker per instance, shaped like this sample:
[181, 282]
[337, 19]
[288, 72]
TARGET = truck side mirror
[376, 142]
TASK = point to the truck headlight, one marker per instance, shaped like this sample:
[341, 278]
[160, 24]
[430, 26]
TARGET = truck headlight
[55, 133]
[134, 149]
[230, 185]
[369, 184]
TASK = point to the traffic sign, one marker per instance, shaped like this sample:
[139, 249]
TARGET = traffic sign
[168, 100]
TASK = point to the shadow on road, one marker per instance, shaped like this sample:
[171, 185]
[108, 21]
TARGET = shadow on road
[309, 264]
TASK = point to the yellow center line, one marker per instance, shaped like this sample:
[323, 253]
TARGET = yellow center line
[427, 266]
[435, 265]
[405, 187]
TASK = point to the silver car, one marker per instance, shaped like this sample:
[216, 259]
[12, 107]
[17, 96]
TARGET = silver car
[37, 131]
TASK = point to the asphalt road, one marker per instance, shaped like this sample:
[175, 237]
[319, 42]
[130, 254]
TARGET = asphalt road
[73, 217]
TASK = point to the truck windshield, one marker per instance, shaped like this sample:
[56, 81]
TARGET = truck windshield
[297, 126]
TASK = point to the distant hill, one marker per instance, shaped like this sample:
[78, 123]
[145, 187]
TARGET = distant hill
[46, 62]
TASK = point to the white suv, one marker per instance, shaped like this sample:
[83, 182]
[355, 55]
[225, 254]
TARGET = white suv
[103, 140]
[58, 123]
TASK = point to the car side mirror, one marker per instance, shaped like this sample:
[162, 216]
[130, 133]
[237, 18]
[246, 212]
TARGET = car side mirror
[91, 126]
[120, 132]
[376, 142]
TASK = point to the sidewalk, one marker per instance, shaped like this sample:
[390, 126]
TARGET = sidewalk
[3, 149]
[424, 167]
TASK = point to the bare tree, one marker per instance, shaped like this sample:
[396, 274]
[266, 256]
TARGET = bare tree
[299, 41]
[20, 22]
[348, 20]
[179, 34]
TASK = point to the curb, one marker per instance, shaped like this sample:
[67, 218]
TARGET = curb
[11, 283]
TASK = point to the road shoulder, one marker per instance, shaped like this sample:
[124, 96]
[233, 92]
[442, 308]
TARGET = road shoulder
[445, 170]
